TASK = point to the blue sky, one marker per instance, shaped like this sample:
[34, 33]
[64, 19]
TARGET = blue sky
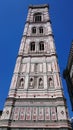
[12, 20]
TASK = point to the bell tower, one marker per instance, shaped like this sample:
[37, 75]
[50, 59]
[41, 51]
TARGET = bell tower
[35, 99]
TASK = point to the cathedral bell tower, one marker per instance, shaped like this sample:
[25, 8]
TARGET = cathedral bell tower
[35, 100]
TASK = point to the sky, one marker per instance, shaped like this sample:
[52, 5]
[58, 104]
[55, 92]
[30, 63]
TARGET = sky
[13, 15]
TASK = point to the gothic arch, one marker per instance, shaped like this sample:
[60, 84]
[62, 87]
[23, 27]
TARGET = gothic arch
[32, 46]
[40, 82]
[50, 81]
[31, 82]
[21, 83]
[33, 30]
[37, 17]
[41, 46]
[41, 29]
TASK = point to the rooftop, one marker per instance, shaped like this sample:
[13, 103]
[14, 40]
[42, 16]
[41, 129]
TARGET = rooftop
[39, 6]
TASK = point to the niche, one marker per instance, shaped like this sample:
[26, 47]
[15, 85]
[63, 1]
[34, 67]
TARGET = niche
[21, 84]
[31, 82]
[50, 82]
[40, 83]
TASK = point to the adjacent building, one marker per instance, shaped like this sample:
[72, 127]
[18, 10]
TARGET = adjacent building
[68, 74]
[35, 100]
[0, 114]
[71, 120]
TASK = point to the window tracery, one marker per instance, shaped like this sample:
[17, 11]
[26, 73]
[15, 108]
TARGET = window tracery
[37, 17]
[34, 30]
[41, 30]
[41, 46]
[32, 46]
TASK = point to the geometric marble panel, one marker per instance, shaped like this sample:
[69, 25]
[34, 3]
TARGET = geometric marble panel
[61, 113]
[22, 113]
[16, 113]
[28, 113]
[6, 113]
[53, 113]
[47, 113]
[41, 113]
[34, 113]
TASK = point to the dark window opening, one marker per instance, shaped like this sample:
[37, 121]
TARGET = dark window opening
[50, 81]
[40, 29]
[21, 83]
[31, 79]
[41, 46]
[38, 17]
[32, 46]
[31, 82]
[33, 29]
[40, 83]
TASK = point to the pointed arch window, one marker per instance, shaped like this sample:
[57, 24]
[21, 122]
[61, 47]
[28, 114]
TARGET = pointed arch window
[31, 82]
[21, 84]
[50, 82]
[37, 17]
[41, 46]
[34, 30]
[32, 46]
[40, 82]
[41, 30]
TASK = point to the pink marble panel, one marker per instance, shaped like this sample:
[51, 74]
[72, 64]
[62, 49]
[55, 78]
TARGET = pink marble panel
[41, 113]
[16, 113]
[53, 113]
[28, 113]
[47, 113]
[22, 113]
[34, 113]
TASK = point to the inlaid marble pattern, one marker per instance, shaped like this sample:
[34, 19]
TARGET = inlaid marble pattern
[34, 113]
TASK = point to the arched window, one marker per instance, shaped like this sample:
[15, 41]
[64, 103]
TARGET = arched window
[32, 46]
[37, 17]
[50, 82]
[40, 82]
[41, 46]
[33, 29]
[40, 29]
[21, 85]
[31, 82]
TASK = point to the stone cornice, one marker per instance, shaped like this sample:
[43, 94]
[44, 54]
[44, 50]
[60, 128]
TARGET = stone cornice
[32, 22]
[42, 35]
[35, 99]
[40, 55]
[39, 6]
